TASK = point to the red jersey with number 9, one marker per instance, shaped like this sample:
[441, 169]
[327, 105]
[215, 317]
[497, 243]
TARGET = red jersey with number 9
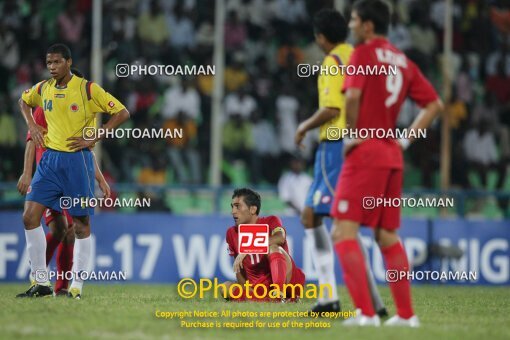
[382, 97]
[256, 266]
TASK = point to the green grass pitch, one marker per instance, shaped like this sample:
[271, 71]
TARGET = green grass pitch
[128, 312]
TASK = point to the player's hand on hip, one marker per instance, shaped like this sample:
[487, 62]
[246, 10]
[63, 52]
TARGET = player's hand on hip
[24, 183]
[78, 143]
[299, 136]
[37, 133]
[238, 263]
[105, 188]
[350, 144]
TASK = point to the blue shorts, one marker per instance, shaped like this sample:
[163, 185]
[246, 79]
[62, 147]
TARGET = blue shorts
[328, 163]
[61, 179]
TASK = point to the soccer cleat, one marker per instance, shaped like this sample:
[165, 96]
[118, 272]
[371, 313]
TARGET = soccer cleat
[37, 290]
[327, 307]
[74, 293]
[62, 292]
[398, 321]
[382, 312]
[362, 320]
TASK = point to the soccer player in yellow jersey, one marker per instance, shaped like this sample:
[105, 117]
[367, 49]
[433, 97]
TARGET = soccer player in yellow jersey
[330, 30]
[66, 169]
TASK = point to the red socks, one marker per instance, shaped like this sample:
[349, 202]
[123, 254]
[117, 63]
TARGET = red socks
[278, 269]
[64, 265]
[355, 274]
[51, 244]
[396, 259]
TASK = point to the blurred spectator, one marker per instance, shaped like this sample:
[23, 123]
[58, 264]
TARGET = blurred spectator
[235, 32]
[70, 25]
[399, 34]
[499, 84]
[8, 48]
[235, 73]
[140, 101]
[424, 43]
[265, 150]
[182, 152]
[181, 29]
[457, 111]
[293, 186]
[240, 103]
[291, 11]
[205, 34]
[464, 83]
[289, 54]
[182, 98]
[287, 107]
[238, 139]
[152, 31]
[480, 150]
[124, 31]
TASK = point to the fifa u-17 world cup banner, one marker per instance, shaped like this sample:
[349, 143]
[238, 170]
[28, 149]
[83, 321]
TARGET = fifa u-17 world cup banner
[161, 248]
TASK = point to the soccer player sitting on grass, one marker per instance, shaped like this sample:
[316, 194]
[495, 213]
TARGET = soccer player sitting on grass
[70, 105]
[276, 268]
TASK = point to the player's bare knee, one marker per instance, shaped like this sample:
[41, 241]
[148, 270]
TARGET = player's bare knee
[29, 221]
[385, 238]
[307, 218]
[81, 227]
[69, 237]
[344, 230]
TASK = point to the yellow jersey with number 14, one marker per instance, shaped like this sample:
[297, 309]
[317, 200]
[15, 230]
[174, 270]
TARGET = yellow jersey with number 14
[69, 109]
[330, 82]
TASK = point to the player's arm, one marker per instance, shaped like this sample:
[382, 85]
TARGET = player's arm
[28, 166]
[30, 99]
[352, 104]
[277, 237]
[424, 119]
[321, 116]
[103, 185]
[422, 93]
[240, 275]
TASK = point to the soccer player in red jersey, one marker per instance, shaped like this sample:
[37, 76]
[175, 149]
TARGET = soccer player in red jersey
[373, 167]
[61, 234]
[277, 267]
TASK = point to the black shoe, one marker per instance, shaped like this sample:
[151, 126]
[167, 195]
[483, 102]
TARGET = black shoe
[382, 312]
[328, 307]
[37, 291]
[62, 292]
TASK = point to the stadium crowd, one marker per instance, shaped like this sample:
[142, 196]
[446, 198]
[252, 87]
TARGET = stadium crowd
[265, 99]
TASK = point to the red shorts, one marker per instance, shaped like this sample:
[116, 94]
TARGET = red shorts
[359, 192]
[49, 215]
[298, 277]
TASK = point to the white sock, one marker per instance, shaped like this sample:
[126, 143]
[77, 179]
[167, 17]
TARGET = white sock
[81, 259]
[323, 259]
[36, 247]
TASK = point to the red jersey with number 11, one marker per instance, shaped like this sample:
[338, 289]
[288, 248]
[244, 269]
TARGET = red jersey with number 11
[381, 99]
